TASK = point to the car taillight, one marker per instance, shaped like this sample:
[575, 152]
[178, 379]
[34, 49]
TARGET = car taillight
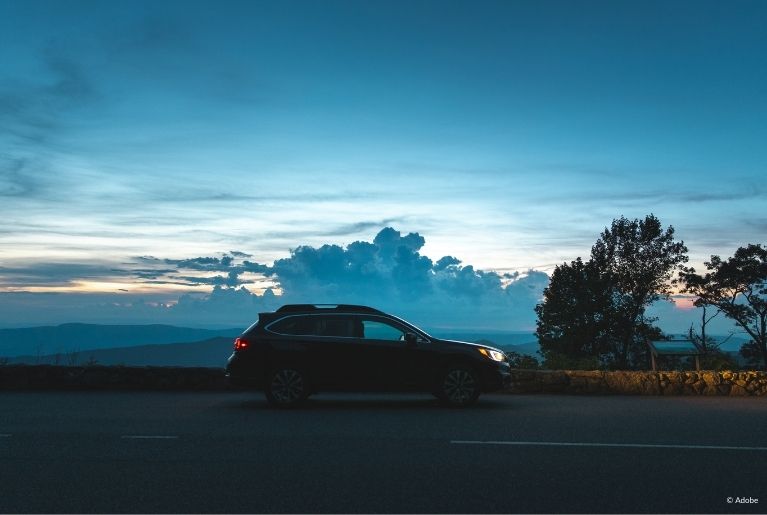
[241, 344]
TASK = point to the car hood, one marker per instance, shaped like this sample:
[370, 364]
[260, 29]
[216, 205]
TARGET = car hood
[467, 344]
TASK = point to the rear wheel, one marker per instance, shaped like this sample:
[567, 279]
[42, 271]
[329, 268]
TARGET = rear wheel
[459, 387]
[286, 388]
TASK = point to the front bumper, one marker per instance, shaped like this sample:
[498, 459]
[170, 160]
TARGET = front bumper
[496, 376]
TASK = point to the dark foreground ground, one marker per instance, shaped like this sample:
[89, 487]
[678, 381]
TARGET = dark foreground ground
[227, 452]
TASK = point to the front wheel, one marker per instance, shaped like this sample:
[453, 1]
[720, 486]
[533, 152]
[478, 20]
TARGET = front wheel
[286, 388]
[459, 387]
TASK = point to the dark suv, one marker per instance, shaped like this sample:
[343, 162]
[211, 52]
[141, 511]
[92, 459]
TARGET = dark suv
[301, 349]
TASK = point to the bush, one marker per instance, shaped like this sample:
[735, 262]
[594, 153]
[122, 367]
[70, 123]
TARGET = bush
[717, 360]
[555, 361]
[518, 360]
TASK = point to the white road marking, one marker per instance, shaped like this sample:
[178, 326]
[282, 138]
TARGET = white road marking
[628, 445]
[148, 437]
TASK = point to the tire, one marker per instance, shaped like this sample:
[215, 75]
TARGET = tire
[459, 386]
[286, 388]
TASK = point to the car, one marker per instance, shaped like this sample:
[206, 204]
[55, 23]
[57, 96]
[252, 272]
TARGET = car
[302, 349]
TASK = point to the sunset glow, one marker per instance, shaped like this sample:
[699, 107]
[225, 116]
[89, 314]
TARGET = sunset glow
[686, 303]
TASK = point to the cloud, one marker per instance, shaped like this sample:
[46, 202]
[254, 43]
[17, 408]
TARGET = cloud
[16, 179]
[445, 262]
[200, 263]
[57, 274]
[388, 272]
[33, 112]
[70, 86]
[740, 189]
[38, 114]
[139, 270]
[358, 227]
[759, 224]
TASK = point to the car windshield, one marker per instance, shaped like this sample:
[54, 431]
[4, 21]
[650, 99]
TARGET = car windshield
[411, 326]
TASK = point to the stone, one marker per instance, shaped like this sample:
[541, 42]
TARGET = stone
[589, 374]
[738, 391]
[710, 390]
[724, 389]
[595, 386]
[523, 375]
[689, 390]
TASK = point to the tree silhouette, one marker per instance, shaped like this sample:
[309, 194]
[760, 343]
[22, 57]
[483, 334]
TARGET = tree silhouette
[738, 288]
[574, 317]
[640, 258]
[597, 308]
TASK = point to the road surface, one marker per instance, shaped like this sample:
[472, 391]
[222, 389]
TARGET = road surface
[150, 452]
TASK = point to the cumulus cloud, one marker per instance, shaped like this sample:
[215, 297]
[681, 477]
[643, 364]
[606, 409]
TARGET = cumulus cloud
[388, 272]
[392, 274]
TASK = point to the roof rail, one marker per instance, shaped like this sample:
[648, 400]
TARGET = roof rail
[350, 308]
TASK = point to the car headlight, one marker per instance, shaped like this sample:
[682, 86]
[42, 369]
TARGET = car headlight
[492, 354]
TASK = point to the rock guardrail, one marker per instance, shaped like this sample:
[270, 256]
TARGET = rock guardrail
[640, 383]
[99, 377]
[54, 377]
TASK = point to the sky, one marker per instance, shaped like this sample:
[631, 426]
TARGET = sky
[158, 157]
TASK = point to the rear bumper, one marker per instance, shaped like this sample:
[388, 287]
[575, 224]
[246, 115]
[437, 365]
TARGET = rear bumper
[242, 374]
[243, 382]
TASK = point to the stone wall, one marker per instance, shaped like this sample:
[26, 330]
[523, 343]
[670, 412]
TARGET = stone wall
[639, 383]
[53, 377]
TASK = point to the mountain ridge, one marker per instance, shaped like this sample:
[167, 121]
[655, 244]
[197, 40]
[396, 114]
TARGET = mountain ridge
[71, 337]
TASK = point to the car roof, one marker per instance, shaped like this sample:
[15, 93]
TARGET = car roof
[327, 308]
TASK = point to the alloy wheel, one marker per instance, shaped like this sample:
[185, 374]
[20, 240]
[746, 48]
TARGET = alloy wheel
[460, 387]
[287, 386]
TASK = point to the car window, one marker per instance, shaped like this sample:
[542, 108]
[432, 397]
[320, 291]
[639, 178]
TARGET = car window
[377, 329]
[295, 325]
[336, 325]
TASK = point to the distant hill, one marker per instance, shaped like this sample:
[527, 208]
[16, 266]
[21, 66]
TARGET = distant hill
[527, 343]
[499, 338]
[529, 349]
[38, 341]
[207, 353]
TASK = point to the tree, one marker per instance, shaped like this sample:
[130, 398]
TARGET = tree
[640, 259]
[738, 288]
[697, 285]
[596, 309]
[574, 316]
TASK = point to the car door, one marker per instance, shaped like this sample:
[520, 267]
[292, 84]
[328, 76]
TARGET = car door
[388, 358]
[293, 341]
[338, 354]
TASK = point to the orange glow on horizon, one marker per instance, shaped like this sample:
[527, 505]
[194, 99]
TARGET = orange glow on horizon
[127, 287]
[685, 303]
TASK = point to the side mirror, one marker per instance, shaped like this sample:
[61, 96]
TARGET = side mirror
[411, 339]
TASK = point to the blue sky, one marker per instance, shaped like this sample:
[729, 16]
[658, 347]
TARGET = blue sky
[506, 134]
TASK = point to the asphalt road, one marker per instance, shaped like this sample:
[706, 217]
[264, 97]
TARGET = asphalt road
[113, 452]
